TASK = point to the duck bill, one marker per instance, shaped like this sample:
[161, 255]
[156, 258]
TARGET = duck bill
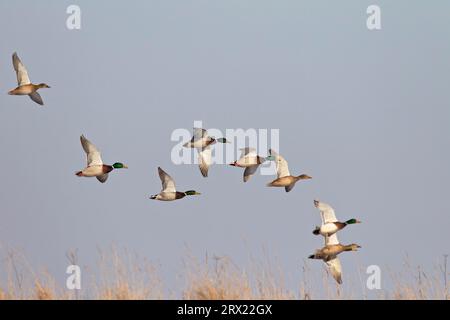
[125, 166]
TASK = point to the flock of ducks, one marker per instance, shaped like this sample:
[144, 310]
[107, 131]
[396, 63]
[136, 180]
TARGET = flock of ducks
[202, 142]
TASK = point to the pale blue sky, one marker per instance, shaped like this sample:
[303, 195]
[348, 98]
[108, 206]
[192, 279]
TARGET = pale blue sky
[365, 113]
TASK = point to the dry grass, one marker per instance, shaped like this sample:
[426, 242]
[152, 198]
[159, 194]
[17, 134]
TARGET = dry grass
[221, 279]
[121, 275]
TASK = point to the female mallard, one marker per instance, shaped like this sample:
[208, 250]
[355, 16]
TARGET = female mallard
[95, 166]
[202, 142]
[25, 86]
[169, 191]
[250, 161]
[329, 255]
[330, 224]
[284, 177]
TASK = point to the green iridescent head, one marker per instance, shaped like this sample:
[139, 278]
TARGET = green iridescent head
[191, 193]
[352, 221]
[119, 165]
[223, 140]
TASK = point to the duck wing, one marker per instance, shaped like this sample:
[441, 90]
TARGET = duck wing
[168, 184]
[281, 163]
[204, 160]
[93, 155]
[102, 178]
[326, 211]
[250, 171]
[21, 71]
[331, 240]
[248, 157]
[248, 152]
[199, 134]
[289, 187]
[36, 97]
[334, 265]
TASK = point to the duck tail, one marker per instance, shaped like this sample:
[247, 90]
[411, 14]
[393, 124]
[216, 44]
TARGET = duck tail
[79, 173]
[312, 256]
[316, 231]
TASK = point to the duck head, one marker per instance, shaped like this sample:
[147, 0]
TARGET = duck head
[223, 140]
[119, 165]
[352, 221]
[353, 247]
[192, 193]
[43, 85]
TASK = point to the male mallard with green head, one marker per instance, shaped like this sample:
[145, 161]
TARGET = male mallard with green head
[95, 166]
[202, 142]
[25, 86]
[169, 191]
[330, 224]
[284, 178]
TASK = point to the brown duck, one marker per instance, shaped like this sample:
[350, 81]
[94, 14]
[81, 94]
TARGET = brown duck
[285, 179]
[25, 86]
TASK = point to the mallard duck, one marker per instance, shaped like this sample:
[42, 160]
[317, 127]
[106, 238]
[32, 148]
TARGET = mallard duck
[330, 224]
[95, 166]
[249, 160]
[169, 191]
[329, 255]
[25, 86]
[202, 142]
[284, 177]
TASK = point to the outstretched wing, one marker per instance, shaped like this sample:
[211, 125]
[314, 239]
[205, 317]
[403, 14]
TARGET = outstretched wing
[248, 157]
[250, 171]
[168, 184]
[331, 240]
[289, 187]
[204, 160]
[281, 163]
[93, 155]
[21, 71]
[102, 178]
[36, 97]
[199, 134]
[326, 211]
[334, 265]
[248, 152]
